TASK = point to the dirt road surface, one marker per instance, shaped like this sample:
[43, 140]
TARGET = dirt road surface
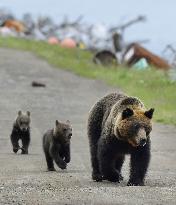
[24, 179]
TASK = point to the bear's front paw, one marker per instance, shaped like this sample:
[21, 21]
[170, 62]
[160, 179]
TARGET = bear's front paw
[113, 177]
[120, 177]
[67, 160]
[135, 183]
[24, 151]
[97, 177]
[63, 165]
[15, 150]
[51, 169]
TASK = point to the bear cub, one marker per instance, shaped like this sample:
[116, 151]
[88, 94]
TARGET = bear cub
[118, 125]
[21, 131]
[56, 145]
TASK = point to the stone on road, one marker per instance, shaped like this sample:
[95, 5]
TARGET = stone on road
[24, 179]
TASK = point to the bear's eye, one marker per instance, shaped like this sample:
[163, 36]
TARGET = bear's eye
[64, 129]
[136, 126]
[127, 113]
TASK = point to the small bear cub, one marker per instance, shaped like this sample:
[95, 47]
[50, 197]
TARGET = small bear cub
[56, 145]
[21, 131]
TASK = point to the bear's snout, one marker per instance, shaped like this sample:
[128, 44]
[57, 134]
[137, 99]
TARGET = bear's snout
[23, 129]
[142, 142]
[141, 137]
[69, 136]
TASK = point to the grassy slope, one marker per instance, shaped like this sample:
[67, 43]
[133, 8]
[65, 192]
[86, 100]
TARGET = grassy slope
[151, 86]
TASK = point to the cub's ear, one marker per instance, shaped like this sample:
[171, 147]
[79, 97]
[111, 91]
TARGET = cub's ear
[68, 122]
[57, 122]
[19, 112]
[149, 113]
[127, 113]
[28, 113]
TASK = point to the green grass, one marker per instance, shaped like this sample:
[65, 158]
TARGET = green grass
[152, 86]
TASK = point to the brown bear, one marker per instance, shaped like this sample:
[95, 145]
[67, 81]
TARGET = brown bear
[119, 125]
[21, 131]
[56, 145]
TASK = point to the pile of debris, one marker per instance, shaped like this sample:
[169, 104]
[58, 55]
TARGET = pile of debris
[135, 53]
[107, 41]
[66, 33]
[93, 37]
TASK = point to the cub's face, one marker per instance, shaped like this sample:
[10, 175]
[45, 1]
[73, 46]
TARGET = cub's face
[134, 126]
[63, 131]
[23, 120]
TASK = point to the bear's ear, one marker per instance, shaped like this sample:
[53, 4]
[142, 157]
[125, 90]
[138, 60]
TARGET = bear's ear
[19, 112]
[127, 113]
[68, 122]
[28, 113]
[149, 113]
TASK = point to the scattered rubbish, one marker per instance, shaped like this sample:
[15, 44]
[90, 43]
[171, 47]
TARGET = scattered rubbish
[81, 45]
[14, 25]
[141, 64]
[106, 42]
[72, 33]
[135, 52]
[53, 41]
[105, 58]
[5, 31]
[68, 43]
[37, 84]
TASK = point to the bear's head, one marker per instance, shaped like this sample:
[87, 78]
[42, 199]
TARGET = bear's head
[62, 132]
[23, 120]
[133, 124]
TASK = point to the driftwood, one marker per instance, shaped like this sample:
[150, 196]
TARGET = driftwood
[128, 24]
[135, 52]
[172, 58]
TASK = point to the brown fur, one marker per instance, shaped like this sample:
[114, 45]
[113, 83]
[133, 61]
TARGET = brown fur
[119, 124]
[56, 145]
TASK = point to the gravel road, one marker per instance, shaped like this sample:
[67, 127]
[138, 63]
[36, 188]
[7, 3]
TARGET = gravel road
[24, 179]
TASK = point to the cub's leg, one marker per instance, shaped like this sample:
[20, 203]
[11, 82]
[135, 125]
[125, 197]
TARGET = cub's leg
[49, 162]
[54, 153]
[14, 140]
[67, 153]
[25, 143]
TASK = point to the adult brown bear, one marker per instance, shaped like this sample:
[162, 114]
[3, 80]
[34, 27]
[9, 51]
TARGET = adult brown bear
[119, 125]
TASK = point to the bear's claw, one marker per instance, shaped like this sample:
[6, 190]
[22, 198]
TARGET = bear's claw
[97, 177]
[51, 169]
[133, 183]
